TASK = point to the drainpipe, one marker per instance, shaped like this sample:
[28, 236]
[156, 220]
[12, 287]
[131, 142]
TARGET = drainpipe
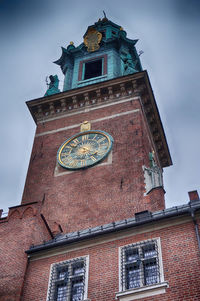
[194, 197]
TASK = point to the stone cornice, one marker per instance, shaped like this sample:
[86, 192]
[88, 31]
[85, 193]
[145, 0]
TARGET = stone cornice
[138, 84]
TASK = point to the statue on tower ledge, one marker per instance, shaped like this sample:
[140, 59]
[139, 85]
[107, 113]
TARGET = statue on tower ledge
[53, 85]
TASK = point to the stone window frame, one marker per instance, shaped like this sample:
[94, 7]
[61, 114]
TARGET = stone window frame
[83, 62]
[142, 291]
[54, 279]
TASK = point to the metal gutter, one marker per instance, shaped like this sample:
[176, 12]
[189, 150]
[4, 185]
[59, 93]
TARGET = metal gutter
[77, 236]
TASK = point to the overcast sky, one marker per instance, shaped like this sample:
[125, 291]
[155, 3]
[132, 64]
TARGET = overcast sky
[31, 34]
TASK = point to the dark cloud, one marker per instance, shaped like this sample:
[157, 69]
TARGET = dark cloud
[187, 10]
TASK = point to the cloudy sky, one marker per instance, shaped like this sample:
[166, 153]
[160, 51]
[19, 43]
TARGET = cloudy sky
[31, 34]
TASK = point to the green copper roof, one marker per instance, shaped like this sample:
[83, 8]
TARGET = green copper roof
[104, 41]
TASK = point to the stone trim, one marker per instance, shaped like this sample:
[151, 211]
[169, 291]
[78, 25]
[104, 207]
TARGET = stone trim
[88, 109]
[142, 292]
[142, 288]
[92, 121]
[45, 110]
[109, 238]
[133, 85]
[86, 278]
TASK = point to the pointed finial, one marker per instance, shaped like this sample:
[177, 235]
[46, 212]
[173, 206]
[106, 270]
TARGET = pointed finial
[140, 52]
[105, 18]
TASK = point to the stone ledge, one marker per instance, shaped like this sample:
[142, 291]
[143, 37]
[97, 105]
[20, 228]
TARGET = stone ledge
[142, 292]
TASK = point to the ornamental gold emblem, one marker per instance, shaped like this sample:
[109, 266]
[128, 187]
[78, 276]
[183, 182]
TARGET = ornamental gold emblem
[92, 40]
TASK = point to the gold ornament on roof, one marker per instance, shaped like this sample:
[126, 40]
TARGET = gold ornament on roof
[92, 39]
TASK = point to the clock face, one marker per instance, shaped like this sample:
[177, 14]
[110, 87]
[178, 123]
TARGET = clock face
[84, 149]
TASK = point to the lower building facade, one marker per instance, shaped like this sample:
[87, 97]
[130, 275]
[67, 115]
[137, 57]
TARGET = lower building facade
[153, 256]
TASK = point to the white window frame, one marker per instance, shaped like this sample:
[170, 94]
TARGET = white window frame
[142, 291]
[70, 261]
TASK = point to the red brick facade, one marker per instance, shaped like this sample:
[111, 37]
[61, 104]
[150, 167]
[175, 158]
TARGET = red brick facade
[100, 194]
[22, 228]
[180, 262]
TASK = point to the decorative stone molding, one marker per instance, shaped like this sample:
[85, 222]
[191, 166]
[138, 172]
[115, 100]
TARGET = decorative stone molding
[152, 178]
[143, 292]
[133, 85]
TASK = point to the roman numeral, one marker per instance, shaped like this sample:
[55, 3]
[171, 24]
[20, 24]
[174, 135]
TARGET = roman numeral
[84, 137]
[67, 150]
[83, 163]
[104, 144]
[73, 163]
[93, 158]
[101, 152]
[74, 142]
[102, 139]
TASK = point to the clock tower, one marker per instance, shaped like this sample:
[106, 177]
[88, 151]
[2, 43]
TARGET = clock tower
[92, 224]
[83, 178]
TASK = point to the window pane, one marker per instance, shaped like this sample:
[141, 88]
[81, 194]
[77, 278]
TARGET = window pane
[63, 274]
[132, 255]
[133, 276]
[61, 292]
[149, 251]
[150, 272]
[77, 291]
[78, 269]
[68, 280]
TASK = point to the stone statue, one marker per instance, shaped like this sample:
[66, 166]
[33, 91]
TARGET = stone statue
[53, 85]
[129, 64]
[152, 159]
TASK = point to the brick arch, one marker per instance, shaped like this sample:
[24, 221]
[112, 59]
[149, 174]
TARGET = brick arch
[14, 215]
[28, 212]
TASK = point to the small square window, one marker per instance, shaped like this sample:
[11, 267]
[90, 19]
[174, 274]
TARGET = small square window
[69, 280]
[93, 69]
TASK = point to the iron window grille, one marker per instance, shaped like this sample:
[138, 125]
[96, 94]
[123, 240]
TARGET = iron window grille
[140, 265]
[67, 280]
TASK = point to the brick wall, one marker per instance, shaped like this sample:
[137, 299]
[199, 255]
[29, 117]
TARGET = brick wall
[100, 194]
[22, 228]
[180, 260]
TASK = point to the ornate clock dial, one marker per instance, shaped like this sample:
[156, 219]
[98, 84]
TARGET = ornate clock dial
[84, 149]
